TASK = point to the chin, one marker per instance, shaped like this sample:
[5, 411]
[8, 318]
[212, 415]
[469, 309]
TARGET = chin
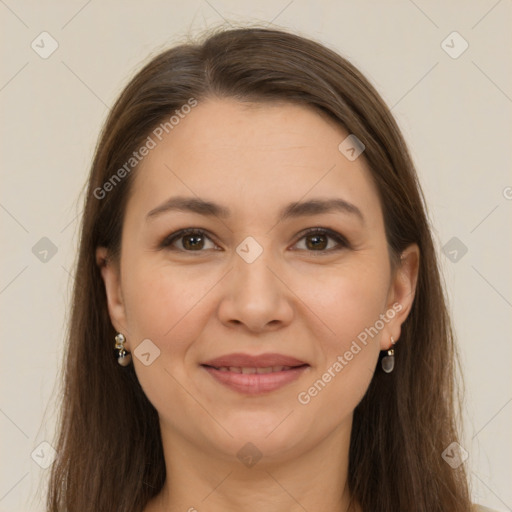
[265, 436]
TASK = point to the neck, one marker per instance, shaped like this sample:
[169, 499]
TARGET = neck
[197, 481]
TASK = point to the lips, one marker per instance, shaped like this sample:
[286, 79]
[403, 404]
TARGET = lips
[255, 374]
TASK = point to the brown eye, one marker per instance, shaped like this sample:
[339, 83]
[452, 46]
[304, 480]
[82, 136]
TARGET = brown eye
[191, 240]
[196, 240]
[317, 240]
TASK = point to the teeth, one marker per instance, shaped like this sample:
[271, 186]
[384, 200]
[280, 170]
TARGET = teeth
[268, 369]
[264, 370]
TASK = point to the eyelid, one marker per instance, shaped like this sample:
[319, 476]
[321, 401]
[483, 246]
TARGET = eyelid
[342, 242]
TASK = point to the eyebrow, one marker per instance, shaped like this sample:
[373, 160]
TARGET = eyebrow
[292, 210]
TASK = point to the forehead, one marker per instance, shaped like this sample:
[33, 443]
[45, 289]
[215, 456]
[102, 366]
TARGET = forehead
[250, 156]
[226, 128]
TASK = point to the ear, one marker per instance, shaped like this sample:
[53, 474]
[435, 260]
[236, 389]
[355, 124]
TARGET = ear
[111, 277]
[401, 294]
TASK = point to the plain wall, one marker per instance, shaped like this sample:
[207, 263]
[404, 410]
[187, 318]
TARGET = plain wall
[455, 114]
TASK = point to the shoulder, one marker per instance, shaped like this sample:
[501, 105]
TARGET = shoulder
[481, 508]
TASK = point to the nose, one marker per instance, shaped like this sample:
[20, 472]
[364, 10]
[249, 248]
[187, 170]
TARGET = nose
[255, 296]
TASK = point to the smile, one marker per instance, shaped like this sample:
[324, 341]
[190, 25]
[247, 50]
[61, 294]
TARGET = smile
[248, 370]
[254, 381]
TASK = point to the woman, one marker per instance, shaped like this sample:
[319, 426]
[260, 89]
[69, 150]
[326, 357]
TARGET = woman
[255, 248]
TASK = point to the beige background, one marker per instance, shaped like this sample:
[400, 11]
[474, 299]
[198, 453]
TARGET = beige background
[455, 114]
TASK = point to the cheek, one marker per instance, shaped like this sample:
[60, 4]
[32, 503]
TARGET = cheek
[161, 301]
[166, 306]
[352, 308]
[352, 304]
[349, 301]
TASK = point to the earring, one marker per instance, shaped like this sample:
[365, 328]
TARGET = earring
[124, 358]
[388, 361]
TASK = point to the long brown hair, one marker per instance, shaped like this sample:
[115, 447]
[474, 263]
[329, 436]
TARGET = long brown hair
[109, 448]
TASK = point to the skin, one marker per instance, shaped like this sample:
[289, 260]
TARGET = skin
[293, 299]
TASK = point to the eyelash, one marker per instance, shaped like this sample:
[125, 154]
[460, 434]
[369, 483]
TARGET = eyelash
[167, 242]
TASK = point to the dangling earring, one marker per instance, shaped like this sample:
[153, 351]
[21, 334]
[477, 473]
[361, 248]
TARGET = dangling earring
[388, 361]
[124, 358]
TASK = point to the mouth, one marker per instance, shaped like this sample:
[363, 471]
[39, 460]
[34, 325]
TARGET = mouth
[248, 370]
[253, 375]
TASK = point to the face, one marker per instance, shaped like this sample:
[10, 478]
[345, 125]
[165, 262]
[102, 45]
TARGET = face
[266, 271]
